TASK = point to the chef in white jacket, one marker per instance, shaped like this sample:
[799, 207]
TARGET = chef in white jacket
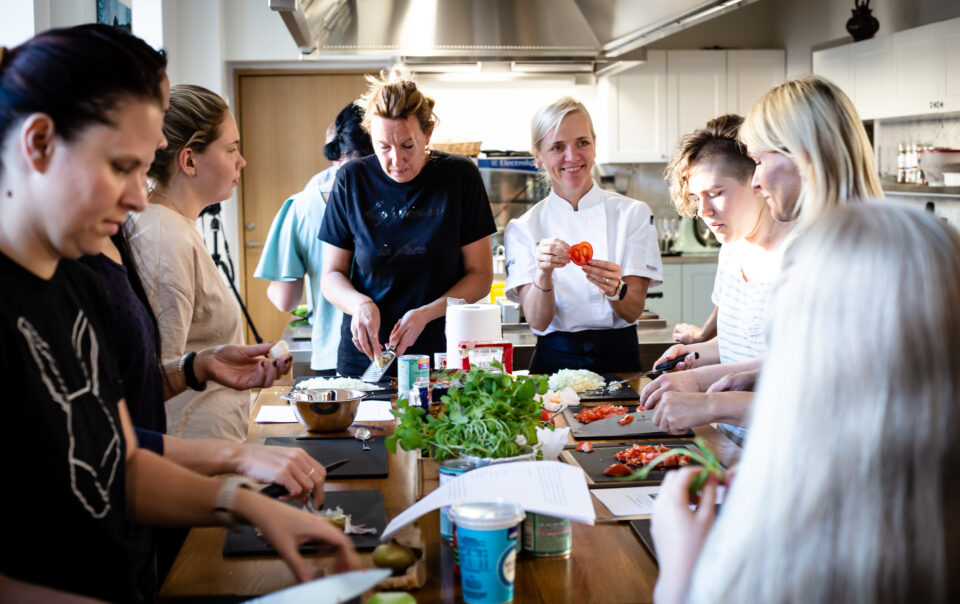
[584, 316]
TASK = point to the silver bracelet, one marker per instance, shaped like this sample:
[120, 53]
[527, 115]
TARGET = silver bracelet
[546, 291]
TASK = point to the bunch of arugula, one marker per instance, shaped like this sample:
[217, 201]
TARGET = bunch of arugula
[489, 415]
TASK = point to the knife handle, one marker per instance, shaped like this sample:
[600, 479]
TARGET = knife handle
[668, 365]
[274, 490]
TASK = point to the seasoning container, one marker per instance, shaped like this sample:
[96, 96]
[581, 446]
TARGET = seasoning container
[411, 369]
[547, 536]
[448, 470]
[486, 542]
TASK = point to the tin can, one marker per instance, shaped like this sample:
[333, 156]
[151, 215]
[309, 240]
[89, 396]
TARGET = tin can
[439, 360]
[486, 542]
[449, 470]
[546, 536]
[411, 368]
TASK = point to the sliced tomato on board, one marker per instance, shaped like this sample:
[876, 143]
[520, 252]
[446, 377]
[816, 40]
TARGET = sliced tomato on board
[618, 469]
[581, 253]
[585, 447]
[626, 419]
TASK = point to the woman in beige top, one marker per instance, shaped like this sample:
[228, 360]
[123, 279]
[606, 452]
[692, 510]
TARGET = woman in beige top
[200, 166]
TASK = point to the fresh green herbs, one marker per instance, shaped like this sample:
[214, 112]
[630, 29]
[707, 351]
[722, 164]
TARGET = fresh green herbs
[702, 455]
[489, 415]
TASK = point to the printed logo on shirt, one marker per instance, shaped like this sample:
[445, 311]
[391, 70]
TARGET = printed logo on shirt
[90, 479]
[384, 212]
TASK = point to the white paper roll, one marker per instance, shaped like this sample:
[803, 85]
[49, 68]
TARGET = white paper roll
[470, 322]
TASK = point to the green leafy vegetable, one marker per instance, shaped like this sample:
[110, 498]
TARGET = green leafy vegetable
[702, 455]
[300, 311]
[483, 417]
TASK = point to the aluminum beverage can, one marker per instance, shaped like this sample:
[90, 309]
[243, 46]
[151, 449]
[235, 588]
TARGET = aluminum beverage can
[546, 536]
[411, 368]
[450, 469]
[486, 541]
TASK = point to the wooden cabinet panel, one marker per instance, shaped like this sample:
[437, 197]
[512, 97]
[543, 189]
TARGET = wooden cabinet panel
[918, 70]
[698, 280]
[669, 304]
[636, 103]
[696, 90]
[750, 75]
[871, 71]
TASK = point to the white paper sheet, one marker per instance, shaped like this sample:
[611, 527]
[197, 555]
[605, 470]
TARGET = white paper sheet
[545, 487]
[374, 411]
[276, 414]
[636, 501]
[628, 501]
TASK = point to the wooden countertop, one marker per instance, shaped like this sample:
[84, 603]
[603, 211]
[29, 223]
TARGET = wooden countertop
[608, 561]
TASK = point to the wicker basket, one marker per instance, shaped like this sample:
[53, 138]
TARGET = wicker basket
[470, 149]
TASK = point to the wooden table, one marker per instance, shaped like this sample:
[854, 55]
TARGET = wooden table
[608, 562]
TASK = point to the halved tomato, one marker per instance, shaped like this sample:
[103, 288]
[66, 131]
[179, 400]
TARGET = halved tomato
[581, 253]
[618, 469]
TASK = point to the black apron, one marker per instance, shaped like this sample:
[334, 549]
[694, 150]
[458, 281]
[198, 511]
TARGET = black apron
[599, 350]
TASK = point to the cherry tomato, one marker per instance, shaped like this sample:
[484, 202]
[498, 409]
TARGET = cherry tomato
[586, 447]
[545, 416]
[581, 253]
[626, 419]
[618, 469]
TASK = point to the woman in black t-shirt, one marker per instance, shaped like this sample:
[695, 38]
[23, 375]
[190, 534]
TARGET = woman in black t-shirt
[80, 119]
[404, 230]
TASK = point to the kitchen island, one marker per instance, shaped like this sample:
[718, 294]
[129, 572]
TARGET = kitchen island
[608, 563]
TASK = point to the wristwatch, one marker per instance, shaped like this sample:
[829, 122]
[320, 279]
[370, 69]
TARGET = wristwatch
[621, 291]
[189, 377]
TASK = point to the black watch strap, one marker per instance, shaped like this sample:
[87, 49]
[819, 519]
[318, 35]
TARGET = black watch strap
[186, 365]
[623, 290]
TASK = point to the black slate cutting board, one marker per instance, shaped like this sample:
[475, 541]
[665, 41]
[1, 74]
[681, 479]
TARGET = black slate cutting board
[624, 393]
[326, 450]
[615, 430]
[642, 529]
[364, 507]
[595, 462]
[385, 387]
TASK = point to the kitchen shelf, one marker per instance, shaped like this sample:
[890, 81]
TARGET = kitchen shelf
[920, 190]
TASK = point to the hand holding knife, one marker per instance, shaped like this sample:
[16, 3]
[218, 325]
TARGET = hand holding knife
[278, 490]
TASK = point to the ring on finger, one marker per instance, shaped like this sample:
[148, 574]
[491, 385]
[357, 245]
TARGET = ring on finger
[311, 471]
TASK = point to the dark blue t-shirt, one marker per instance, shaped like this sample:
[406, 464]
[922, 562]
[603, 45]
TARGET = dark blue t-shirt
[406, 239]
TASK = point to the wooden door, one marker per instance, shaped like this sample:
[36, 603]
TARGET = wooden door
[283, 120]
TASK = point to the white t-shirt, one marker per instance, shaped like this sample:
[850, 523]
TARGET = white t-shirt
[620, 230]
[194, 309]
[744, 308]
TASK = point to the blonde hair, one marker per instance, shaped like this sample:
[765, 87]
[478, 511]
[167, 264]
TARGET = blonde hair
[847, 489]
[548, 119]
[395, 96]
[717, 142]
[192, 122]
[813, 123]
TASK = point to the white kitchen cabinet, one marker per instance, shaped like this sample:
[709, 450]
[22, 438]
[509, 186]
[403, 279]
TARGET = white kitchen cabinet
[650, 106]
[750, 75]
[834, 64]
[951, 54]
[696, 90]
[636, 102]
[686, 292]
[918, 70]
[870, 84]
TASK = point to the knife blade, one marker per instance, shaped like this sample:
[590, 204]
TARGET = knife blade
[278, 490]
[343, 587]
[608, 427]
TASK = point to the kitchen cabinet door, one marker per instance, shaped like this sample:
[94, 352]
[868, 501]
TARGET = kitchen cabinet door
[750, 74]
[919, 70]
[696, 90]
[698, 282]
[834, 64]
[636, 112]
[951, 53]
[667, 299]
[871, 77]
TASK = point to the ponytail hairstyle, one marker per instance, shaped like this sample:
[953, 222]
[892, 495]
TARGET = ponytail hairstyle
[349, 139]
[718, 142]
[192, 121]
[77, 76]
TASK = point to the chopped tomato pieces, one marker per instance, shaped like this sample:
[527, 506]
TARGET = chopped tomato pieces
[586, 446]
[641, 455]
[626, 419]
[581, 253]
[592, 414]
[618, 469]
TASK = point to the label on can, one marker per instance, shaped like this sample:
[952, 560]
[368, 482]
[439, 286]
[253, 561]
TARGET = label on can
[439, 360]
[547, 536]
[449, 470]
[411, 368]
[488, 560]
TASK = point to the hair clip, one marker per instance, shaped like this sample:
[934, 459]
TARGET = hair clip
[3, 52]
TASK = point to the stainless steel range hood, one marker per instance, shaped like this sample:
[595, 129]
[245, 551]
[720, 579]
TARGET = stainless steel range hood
[530, 36]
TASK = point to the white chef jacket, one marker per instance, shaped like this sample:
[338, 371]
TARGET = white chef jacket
[620, 230]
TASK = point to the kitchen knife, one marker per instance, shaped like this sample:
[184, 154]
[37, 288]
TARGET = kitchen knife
[343, 587]
[609, 428]
[656, 371]
[277, 490]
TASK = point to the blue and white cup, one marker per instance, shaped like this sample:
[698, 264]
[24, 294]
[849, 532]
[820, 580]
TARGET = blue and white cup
[486, 540]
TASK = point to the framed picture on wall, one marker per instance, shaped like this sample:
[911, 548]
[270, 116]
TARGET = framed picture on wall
[114, 12]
